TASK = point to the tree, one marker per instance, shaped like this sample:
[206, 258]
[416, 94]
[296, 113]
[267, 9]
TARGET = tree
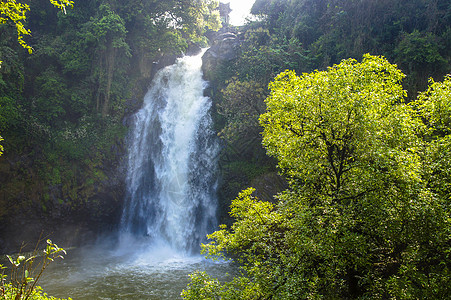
[106, 32]
[419, 55]
[352, 152]
[435, 106]
[359, 219]
[323, 126]
[15, 12]
[241, 106]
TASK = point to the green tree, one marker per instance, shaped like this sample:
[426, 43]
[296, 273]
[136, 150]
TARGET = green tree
[412, 33]
[359, 219]
[106, 33]
[435, 106]
[15, 12]
[319, 124]
[419, 55]
[243, 103]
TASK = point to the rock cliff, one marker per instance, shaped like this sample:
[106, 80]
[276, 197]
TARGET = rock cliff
[224, 49]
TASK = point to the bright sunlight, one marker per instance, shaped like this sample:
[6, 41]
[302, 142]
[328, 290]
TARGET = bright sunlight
[240, 10]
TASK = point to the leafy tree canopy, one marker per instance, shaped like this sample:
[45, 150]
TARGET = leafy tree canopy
[15, 12]
[367, 211]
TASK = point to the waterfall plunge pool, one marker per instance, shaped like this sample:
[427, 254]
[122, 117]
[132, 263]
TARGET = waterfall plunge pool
[136, 272]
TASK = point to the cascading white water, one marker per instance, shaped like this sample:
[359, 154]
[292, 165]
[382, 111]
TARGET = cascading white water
[170, 203]
[171, 174]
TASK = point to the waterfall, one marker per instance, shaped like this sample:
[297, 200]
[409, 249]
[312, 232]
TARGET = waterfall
[171, 173]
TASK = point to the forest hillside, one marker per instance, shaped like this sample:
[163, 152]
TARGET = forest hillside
[64, 107]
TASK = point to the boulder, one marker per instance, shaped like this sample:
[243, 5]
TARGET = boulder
[224, 49]
[193, 49]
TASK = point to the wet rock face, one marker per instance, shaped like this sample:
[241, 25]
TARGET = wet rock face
[193, 49]
[71, 212]
[225, 48]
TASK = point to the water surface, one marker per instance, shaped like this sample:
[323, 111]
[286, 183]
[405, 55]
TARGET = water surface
[157, 272]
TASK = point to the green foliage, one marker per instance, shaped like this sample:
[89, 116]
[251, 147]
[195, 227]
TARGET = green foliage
[13, 11]
[242, 86]
[204, 16]
[411, 33]
[49, 104]
[25, 272]
[10, 114]
[435, 106]
[105, 29]
[203, 286]
[420, 55]
[368, 207]
[37, 294]
[16, 13]
[323, 120]
[305, 35]
[250, 242]
[262, 56]
[248, 238]
[417, 50]
[241, 106]
[367, 212]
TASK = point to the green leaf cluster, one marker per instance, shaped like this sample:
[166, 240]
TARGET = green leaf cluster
[13, 11]
[25, 272]
[412, 33]
[305, 35]
[241, 105]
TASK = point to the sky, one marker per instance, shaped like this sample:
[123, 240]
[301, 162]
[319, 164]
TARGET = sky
[240, 9]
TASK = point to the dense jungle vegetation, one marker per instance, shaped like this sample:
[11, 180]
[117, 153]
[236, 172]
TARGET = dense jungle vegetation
[361, 142]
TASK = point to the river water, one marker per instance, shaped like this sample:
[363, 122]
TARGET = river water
[170, 203]
[154, 273]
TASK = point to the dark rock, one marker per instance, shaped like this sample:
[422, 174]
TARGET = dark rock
[193, 49]
[224, 49]
[69, 213]
[226, 35]
[164, 61]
